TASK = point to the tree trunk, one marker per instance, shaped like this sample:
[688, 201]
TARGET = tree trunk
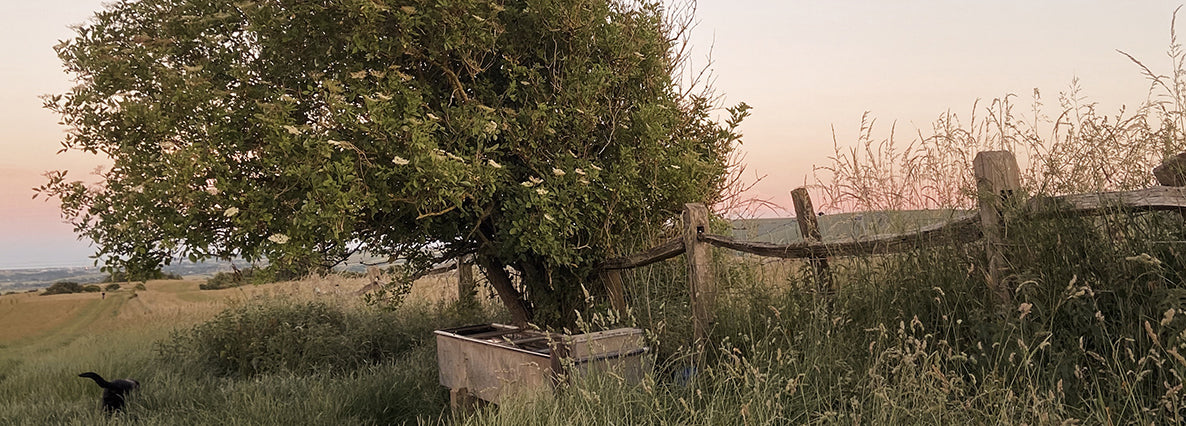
[555, 294]
[511, 298]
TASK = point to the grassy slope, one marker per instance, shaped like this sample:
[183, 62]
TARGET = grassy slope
[47, 340]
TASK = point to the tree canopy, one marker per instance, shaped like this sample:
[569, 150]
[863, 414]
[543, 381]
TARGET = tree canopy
[541, 136]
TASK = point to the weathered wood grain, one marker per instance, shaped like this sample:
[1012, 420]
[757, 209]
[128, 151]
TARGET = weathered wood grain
[962, 229]
[672, 248]
[1155, 198]
[1172, 171]
[699, 260]
[809, 229]
[998, 183]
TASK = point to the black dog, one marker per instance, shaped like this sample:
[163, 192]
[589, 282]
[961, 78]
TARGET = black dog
[114, 391]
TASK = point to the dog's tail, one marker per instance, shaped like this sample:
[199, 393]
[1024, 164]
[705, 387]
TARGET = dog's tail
[97, 378]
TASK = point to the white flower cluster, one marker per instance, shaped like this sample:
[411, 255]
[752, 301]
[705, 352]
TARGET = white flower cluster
[532, 181]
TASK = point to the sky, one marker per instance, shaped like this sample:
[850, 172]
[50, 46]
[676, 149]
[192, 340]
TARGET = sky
[806, 68]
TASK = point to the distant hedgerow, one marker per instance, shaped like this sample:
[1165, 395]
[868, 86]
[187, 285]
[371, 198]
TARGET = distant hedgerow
[63, 287]
[121, 276]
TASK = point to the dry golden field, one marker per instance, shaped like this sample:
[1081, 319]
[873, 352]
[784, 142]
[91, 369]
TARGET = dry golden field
[32, 319]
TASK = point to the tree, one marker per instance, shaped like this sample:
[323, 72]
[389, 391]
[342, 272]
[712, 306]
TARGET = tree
[541, 136]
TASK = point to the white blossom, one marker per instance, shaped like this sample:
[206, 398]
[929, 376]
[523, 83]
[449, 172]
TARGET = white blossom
[557, 172]
[494, 164]
[293, 130]
[579, 171]
[278, 238]
[541, 191]
[231, 212]
[399, 161]
[532, 181]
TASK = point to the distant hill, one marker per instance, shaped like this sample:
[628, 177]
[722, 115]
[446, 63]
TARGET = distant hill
[35, 278]
[840, 227]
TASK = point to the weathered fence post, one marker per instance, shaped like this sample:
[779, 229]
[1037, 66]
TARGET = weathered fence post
[612, 278]
[997, 180]
[809, 229]
[700, 284]
[1172, 172]
[467, 291]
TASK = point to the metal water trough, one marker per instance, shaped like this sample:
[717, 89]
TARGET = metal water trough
[492, 362]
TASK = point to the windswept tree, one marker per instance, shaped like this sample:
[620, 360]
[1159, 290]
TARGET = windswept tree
[541, 136]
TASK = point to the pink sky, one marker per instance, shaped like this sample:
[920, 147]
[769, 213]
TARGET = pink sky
[804, 66]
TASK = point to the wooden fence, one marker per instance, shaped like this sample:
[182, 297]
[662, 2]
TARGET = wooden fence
[998, 184]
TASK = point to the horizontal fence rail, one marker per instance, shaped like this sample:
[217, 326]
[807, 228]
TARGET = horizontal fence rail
[961, 230]
[672, 248]
[1149, 199]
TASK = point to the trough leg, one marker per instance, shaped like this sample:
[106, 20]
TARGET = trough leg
[461, 401]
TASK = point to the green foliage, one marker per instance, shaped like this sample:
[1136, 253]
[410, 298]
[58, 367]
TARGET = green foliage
[111, 287]
[223, 280]
[537, 133]
[91, 288]
[140, 286]
[62, 287]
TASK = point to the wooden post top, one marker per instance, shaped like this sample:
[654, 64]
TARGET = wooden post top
[995, 170]
[1172, 171]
